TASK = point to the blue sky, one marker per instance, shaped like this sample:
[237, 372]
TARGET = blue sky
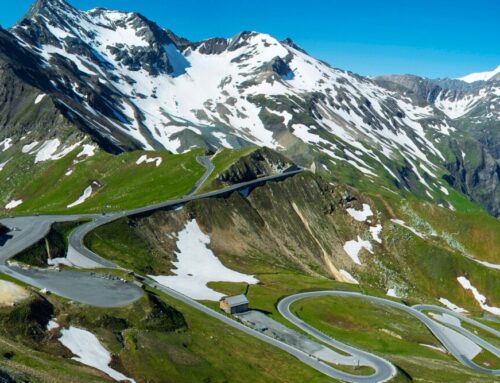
[433, 38]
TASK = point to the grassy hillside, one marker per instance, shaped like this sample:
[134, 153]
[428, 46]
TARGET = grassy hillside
[156, 339]
[118, 181]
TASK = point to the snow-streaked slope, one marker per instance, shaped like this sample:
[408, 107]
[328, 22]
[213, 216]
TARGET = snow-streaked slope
[481, 76]
[457, 104]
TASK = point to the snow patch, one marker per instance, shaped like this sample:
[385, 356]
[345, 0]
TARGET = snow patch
[144, 159]
[437, 348]
[348, 277]
[13, 204]
[444, 190]
[480, 298]
[86, 194]
[27, 148]
[49, 151]
[6, 144]
[484, 263]
[392, 293]
[52, 325]
[452, 306]
[403, 224]
[39, 98]
[197, 265]
[375, 232]
[361, 215]
[89, 351]
[353, 247]
[2, 165]
[87, 151]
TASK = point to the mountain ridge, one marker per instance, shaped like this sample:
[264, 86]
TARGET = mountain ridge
[128, 84]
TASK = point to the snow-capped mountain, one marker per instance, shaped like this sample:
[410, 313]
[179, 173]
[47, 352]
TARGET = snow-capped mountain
[482, 76]
[127, 83]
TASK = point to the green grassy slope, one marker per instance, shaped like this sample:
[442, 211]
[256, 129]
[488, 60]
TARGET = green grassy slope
[119, 183]
[122, 184]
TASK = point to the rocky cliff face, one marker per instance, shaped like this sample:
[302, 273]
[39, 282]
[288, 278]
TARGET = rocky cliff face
[477, 174]
[259, 163]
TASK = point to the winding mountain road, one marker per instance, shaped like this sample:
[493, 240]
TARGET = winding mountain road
[437, 329]
[93, 289]
[80, 287]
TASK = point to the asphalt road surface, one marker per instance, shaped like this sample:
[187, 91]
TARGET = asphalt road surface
[95, 289]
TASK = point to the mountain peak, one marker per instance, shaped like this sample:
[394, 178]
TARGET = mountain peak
[44, 7]
[482, 76]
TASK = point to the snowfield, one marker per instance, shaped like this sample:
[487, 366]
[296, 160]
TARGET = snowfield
[89, 351]
[197, 265]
